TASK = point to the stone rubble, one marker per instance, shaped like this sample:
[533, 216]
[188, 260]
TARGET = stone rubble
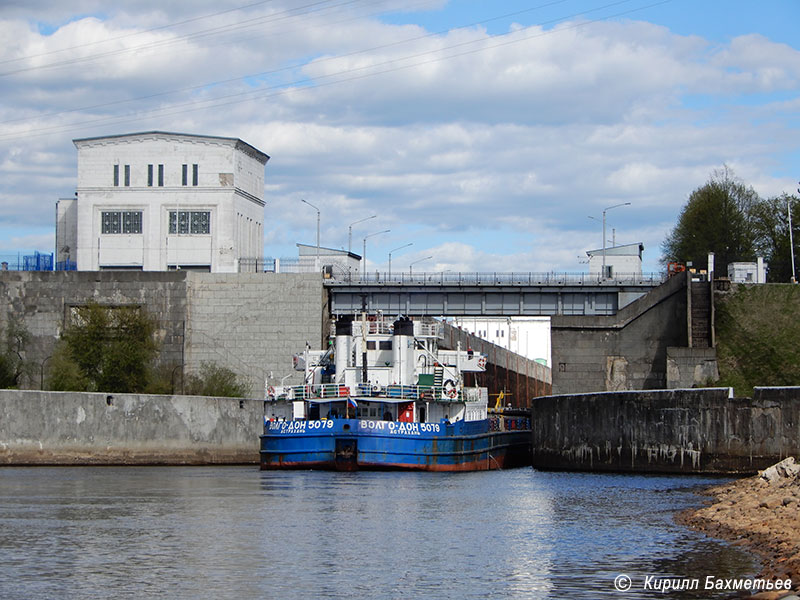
[761, 513]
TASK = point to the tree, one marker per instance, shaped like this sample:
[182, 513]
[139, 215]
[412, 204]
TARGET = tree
[715, 219]
[109, 349]
[12, 362]
[771, 227]
[214, 380]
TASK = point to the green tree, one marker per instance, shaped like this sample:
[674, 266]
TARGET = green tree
[214, 380]
[715, 219]
[109, 349]
[12, 360]
[770, 220]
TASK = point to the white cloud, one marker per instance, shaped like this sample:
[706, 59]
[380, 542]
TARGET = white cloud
[492, 158]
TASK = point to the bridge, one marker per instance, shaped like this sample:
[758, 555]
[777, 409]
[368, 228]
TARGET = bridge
[487, 294]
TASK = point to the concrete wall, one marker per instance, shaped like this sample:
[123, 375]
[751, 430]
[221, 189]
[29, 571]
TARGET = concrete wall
[62, 428]
[626, 351]
[520, 377]
[666, 431]
[251, 323]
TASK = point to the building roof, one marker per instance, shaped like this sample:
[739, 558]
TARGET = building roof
[309, 250]
[238, 143]
[624, 250]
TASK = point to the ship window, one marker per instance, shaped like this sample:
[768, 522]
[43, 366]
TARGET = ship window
[385, 345]
[370, 345]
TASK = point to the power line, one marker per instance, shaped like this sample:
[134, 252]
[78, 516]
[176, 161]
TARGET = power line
[292, 67]
[237, 98]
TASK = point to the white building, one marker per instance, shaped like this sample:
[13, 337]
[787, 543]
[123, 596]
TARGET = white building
[619, 261]
[156, 201]
[748, 272]
[526, 336]
[336, 263]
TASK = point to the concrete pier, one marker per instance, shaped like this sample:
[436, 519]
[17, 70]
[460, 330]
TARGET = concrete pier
[666, 431]
[68, 428]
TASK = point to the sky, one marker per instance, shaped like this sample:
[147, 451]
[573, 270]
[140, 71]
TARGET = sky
[484, 136]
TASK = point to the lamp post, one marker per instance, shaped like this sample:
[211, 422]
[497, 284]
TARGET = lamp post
[604, 233]
[395, 250]
[791, 241]
[364, 251]
[350, 231]
[316, 209]
[415, 262]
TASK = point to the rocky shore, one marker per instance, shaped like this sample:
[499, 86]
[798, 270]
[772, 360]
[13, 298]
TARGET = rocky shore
[761, 513]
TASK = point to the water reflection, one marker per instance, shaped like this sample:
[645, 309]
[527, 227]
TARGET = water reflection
[234, 532]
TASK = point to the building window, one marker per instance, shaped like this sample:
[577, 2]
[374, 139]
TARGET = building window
[189, 221]
[127, 175]
[195, 173]
[149, 175]
[185, 175]
[160, 175]
[121, 221]
[116, 175]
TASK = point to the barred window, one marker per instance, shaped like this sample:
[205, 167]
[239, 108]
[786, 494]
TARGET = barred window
[121, 221]
[189, 221]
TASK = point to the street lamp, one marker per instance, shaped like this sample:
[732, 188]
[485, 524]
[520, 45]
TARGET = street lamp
[395, 250]
[364, 251]
[350, 231]
[415, 262]
[791, 241]
[604, 233]
[316, 209]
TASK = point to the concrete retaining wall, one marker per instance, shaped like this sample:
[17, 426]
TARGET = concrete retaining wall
[666, 431]
[626, 351]
[63, 428]
[251, 323]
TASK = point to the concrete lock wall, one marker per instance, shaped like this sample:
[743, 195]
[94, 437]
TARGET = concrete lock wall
[626, 351]
[251, 323]
[63, 428]
[666, 431]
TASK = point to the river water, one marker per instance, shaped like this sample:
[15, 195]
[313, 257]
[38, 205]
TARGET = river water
[237, 532]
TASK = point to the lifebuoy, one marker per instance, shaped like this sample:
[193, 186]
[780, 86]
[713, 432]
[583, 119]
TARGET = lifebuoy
[270, 391]
[482, 362]
[450, 389]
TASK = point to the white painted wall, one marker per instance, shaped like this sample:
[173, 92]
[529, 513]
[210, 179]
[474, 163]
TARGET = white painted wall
[229, 186]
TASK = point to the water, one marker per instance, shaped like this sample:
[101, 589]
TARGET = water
[236, 532]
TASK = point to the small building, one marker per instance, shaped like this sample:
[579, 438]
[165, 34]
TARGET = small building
[334, 263]
[620, 261]
[158, 201]
[748, 272]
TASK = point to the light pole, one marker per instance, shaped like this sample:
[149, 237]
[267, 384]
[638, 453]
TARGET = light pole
[604, 233]
[791, 241]
[316, 209]
[415, 262]
[350, 231]
[364, 251]
[395, 250]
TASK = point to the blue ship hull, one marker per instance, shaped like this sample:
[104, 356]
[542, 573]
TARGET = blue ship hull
[355, 444]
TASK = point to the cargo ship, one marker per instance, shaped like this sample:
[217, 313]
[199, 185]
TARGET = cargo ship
[384, 396]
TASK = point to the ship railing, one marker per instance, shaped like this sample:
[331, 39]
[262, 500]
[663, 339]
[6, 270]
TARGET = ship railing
[382, 327]
[503, 423]
[327, 391]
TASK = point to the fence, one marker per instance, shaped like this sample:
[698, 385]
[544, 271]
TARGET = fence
[37, 261]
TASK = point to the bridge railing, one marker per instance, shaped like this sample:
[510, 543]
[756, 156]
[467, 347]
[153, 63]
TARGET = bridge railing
[494, 278]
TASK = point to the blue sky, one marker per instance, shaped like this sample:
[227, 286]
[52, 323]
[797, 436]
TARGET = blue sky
[484, 140]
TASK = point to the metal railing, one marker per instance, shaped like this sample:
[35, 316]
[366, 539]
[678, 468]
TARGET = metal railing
[37, 261]
[335, 391]
[495, 278]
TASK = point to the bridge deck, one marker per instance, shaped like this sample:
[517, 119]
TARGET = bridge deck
[490, 294]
